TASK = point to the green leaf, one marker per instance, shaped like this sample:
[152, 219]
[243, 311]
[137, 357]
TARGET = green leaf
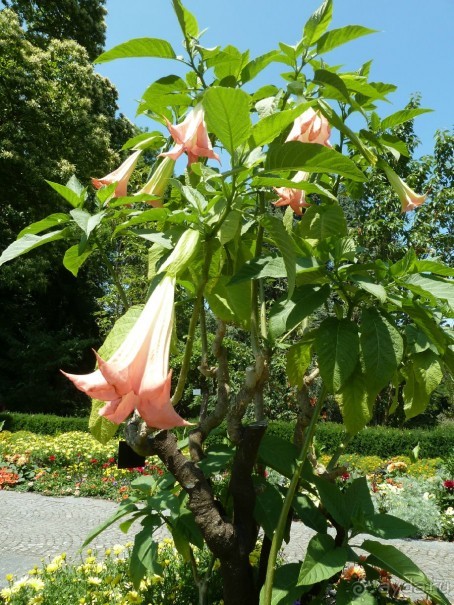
[368, 285]
[399, 117]
[279, 454]
[125, 508]
[139, 47]
[431, 287]
[74, 258]
[258, 268]
[359, 500]
[309, 514]
[355, 402]
[337, 37]
[288, 313]
[86, 221]
[337, 346]
[332, 80]
[102, 429]
[227, 115]
[354, 593]
[269, 181]
[254, 67]
[268, 504]
[423, 374]
[53, 220]
[145, 140]
[285, 591]
[323, 560]
[186, 19]
[284, 242]
[428, 325]
[271, 126]
[185, 524]
[320, 222]
[334, 501]
[144, 216]
[217, 459]
[387, 527]
[390, 558]
[67, 193]
[29, 242]
[318, 23]
[144, 557]
[311, 157]
[230, 227]
[299, 357]
[433, 266]
[382, 349]
[231, 303]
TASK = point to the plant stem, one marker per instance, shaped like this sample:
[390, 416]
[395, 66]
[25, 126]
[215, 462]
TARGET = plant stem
[338, 453]
[280, 529]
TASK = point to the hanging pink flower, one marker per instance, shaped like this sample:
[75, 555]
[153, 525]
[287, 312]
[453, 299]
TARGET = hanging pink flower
[295, 198]
[191, 136]
[157, 184]
[121, 175]
[310, 127]
[408, 198]
[136, 376]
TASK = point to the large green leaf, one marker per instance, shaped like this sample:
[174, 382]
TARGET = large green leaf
[308, 187]
[231, 303]
[334, 501]
[354, 593]
[73, 197]
[428, 325]
[387, 527]
[382, 349]
[53, 220]
[217, 459]
[258, 268]
[86, 221]
[390, 558]
[337, 346]
[358, 498]
[144, 556]
[186, 19]
[285, 589]
[318, 23]
[139, 47]
[74, 258]
[309, 513]
[399, 117]
[254, 67]
[268, 504]
[423, 374]
[431, 287]
[269, 127]
[227, 115]
[336, 37]
[288, 313]
[125, 508]
[311, 157]
[299, 357]
[325, 220]
[276, 230]
[354, 402]
[433, 266]
[279, 454]
[323, 560]
[29, 242]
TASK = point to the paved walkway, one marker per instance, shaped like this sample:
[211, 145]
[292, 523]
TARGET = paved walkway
[33, 527]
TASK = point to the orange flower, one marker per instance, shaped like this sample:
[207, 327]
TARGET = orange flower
[310, 127]
[295, 198]
[120, 176]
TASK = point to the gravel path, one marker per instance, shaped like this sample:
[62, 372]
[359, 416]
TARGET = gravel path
[33, 527]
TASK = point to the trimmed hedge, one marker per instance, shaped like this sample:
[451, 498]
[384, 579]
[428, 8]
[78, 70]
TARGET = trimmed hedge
[42, 424]
[373, 441]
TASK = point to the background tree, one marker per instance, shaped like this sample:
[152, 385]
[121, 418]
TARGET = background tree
[78, 20]
[57, 118]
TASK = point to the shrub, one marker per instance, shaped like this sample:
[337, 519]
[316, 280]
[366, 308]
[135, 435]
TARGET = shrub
[42, 424]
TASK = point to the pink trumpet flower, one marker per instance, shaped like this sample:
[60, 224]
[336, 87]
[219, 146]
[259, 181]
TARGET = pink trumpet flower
[310, 127]
[408, 198]
[121, 175]
[295, 198]
[136, 376]
[191, 136]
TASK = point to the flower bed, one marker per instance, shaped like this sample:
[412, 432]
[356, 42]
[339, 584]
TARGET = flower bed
[420, 492]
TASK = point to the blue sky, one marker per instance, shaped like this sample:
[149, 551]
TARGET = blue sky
[413, 47]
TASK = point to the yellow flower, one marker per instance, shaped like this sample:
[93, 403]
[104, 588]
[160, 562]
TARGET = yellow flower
[9, 577]
[94, 580]
[134, 597]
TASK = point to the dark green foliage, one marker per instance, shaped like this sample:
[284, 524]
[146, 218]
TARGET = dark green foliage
[78, 20]
[57, 118]
[42, 424]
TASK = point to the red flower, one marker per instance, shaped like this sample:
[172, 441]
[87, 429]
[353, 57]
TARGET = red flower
[94, 461]
[345, 476]
[52, 458]
[449, 484]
